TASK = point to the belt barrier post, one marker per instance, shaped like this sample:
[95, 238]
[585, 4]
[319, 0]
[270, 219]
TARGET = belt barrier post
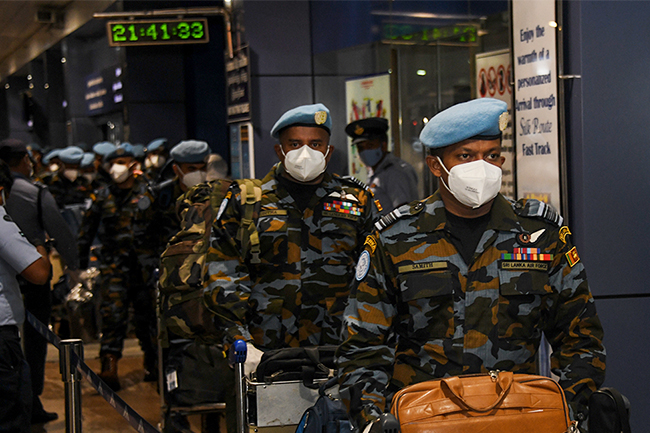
[72, 379]
[240, 357]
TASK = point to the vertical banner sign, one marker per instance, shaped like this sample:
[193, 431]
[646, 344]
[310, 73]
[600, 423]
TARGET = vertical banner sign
[535, 86]
[365, 97]
[238, 86]
[242, 156]
[493, 76]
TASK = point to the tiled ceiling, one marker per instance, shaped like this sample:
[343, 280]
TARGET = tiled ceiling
[23, 37]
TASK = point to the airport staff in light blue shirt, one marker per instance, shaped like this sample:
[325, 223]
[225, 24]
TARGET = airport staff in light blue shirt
[392, 180]
[17, 257]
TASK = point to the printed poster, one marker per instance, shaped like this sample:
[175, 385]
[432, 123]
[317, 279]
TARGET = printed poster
[493, 76]
[366, 97]
[535, 90]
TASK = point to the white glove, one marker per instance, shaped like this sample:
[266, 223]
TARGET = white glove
[253, 357]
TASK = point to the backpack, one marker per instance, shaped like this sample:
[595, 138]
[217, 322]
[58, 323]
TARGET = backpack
[297, 363]
[609, 412]
[327, 415]
[181, 305]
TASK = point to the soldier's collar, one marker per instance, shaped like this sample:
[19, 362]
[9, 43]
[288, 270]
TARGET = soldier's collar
[502, 216]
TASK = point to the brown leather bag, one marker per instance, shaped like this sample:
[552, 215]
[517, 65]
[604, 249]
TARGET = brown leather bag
[495, 402]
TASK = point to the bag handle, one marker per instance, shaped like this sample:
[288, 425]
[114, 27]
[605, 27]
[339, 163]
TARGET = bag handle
[455, 386]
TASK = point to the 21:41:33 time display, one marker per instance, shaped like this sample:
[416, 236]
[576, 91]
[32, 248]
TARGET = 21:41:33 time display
[157, 32]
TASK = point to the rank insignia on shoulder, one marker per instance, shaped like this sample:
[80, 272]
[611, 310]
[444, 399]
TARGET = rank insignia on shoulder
[536, 208]
[379, 208]
[387, 220]
[564, 231]
[356, 182]
[223, 205]
[572, 257]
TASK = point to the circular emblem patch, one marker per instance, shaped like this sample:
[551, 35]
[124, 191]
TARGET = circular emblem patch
[144, 203]
[320, 117]
[363, 265]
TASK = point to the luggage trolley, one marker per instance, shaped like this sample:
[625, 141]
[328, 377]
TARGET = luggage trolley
[270, 407]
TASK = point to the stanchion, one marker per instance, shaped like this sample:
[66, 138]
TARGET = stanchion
[70, 355]
[240, 357]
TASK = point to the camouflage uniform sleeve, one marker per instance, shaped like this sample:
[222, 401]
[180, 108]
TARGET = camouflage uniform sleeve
[574, 331]
[227, 281]
[366, 356]
[88, 228]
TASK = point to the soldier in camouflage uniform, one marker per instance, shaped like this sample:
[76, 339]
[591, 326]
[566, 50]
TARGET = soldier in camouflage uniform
[100, 150]
[290, 289]
[467, 281]
[119, 215]
[70, 190]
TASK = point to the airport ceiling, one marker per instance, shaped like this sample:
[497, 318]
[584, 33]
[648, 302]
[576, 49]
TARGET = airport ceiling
[28, 28]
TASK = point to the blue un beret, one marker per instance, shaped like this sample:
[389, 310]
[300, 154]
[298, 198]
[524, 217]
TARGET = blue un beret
[51, 154]
[71, 155]
[157, 144]
[87, 160]
[316, 115]
[138, 150]
[124, 149]
[190, 152]
[481, 118]
[103, 148]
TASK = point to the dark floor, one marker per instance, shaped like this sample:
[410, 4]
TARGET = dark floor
[98, 415]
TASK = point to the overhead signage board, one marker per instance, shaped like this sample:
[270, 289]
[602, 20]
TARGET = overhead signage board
[493, 76]
[157, 32]
[238, 87]
[103, 91]
[536, 126]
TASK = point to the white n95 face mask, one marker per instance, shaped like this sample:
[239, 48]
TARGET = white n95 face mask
[305, 164]
[119, 172]
[154, 160]
[473, 183]
[71, 174]
[193, 178]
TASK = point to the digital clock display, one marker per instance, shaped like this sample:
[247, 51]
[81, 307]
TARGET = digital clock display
[157, 32]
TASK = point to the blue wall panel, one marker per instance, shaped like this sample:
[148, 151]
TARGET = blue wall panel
[615, 150]
[272, 97]
[625, 322]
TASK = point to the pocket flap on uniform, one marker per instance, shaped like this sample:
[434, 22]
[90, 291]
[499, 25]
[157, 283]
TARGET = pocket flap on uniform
[428, 284]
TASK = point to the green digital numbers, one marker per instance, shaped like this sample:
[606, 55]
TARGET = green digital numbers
[118, 31]
[157, 32]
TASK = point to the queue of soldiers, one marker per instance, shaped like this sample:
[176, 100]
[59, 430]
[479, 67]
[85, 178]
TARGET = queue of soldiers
[408, 289]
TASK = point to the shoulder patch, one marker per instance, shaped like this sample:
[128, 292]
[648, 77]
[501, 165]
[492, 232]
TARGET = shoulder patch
[538, 209]
[564, 232]
[363, 265]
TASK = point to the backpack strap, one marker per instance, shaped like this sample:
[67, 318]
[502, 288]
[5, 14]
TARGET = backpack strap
[621, 407]
[251, 196]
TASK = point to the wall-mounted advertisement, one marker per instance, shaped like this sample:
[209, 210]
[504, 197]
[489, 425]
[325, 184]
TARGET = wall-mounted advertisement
[365, 97]
[493, 76]
[535, 104]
